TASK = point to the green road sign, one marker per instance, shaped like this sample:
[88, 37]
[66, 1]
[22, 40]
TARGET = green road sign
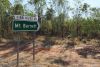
[25, 23]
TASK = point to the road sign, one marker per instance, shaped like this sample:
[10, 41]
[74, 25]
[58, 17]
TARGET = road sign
[25, 23]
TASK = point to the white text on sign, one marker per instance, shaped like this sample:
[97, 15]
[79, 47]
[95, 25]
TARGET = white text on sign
[25, 18]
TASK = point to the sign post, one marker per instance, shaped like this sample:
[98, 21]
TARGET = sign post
[22, 24]
[18, 50]
[33, 47]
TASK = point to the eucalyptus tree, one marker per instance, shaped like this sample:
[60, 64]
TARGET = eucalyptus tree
[18, 9]
[95, 16]
[61, 9]
[4, 7]
[85, 9]
[38, 6]
[86, 23]
[77, 17]
[95, 12]
[49, 13]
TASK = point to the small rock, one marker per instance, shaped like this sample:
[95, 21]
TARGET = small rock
[97, 56]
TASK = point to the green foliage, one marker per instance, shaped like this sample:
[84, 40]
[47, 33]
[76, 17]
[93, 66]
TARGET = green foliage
[49, 14]
[18, 9]
[53, 19]
[4, 6]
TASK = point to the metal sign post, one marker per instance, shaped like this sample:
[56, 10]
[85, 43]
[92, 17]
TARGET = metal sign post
[18, 50]
[22, 24]
[18, 55]
[33, 47]
[17, 39]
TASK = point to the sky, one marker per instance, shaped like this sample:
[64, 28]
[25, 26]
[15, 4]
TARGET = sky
[92, 3]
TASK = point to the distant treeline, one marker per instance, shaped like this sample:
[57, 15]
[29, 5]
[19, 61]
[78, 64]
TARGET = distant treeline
[55, 21]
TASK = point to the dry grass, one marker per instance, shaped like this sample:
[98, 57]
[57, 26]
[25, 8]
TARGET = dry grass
[56, 56]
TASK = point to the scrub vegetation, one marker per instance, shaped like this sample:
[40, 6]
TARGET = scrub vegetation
[56, 18]
[69, 35]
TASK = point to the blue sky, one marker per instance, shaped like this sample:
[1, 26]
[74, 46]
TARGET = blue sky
[92, 3]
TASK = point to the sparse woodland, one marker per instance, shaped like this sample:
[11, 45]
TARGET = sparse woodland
[56, 18]
[69, 35]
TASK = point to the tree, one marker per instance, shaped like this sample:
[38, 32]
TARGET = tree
[95, 16]
[4, 6]
[18, 9]
[39, 5]
[77, 16]
[38, 8]
[85, 9]
[49, 13]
